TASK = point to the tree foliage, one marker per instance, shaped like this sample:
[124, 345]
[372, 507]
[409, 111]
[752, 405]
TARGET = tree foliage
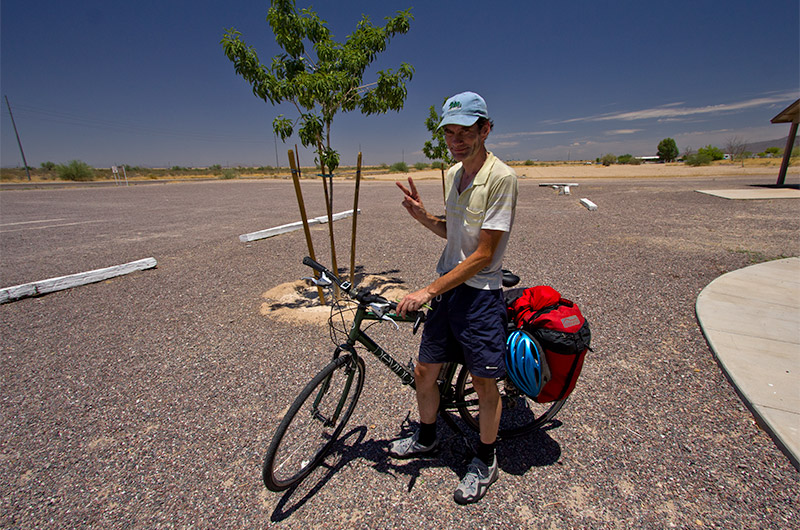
[668, 150]
[320, 76]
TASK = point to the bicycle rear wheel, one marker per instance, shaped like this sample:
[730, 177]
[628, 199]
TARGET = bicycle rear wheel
[521, 414]
[313, 423]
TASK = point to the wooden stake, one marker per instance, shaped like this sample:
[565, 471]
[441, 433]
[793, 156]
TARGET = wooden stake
[443, 193]
[301, 204]
[355, 222]
[328, 207]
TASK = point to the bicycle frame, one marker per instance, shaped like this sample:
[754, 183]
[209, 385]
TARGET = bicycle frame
[357, 335]
[405, 373]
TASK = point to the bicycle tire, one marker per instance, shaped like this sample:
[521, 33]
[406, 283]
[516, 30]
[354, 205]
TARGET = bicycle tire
[520, 415]
[303, 439]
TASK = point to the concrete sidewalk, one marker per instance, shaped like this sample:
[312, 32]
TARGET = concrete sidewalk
[751, 320]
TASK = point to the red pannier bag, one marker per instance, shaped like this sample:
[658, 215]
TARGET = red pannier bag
[561, 329]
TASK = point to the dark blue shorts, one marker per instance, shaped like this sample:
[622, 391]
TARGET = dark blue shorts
[468, 326]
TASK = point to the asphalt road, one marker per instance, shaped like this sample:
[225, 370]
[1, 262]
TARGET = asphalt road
[147, 401]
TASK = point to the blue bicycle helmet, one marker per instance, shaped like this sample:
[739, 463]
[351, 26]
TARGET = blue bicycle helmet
[525, 363]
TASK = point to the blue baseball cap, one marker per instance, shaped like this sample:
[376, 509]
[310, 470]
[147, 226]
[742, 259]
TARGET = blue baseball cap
[463, 109]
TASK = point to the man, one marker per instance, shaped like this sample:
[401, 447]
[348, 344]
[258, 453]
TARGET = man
[467, 321]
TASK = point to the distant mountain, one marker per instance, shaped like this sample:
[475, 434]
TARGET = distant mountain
[759, 147]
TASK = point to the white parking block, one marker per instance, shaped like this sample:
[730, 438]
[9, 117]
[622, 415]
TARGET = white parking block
[291, 227]
[10, 294]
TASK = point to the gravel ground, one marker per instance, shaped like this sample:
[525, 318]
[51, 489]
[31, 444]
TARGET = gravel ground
[147, 401]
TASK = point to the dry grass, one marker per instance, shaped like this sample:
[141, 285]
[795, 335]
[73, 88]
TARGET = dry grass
[537, 170]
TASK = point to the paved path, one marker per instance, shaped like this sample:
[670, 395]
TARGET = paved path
[754, 193]
[751, 319]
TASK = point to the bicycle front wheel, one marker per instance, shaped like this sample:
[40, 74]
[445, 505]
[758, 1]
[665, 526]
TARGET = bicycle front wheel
[521, 414]
[313, 423]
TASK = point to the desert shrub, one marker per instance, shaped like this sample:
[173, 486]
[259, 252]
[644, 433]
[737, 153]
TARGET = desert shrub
[529, 162]
[399, 167]
[628, 159]
[437, 165]
[228, 174]
[608, 159]
[75, 170]
[715, 153]
[48, 166]
[420, 166]
[698, 159]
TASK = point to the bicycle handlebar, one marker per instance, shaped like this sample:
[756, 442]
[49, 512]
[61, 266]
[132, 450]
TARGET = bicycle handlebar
[363, 297]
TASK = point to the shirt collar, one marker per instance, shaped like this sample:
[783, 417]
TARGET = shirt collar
[483, 175]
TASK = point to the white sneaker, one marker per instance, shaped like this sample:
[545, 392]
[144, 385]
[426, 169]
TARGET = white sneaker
[410, 447]
[476, 482]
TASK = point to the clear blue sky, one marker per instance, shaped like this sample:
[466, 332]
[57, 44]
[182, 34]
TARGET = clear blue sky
[146, 82]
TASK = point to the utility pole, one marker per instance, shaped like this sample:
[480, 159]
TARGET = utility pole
[27, 171]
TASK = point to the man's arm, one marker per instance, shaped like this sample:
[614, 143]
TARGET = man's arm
[488, 240]
[413, 204]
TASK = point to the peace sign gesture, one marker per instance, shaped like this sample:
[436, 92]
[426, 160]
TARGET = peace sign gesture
[412, 202]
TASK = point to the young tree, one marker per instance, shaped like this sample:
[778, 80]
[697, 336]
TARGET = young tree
[436, 148]
[320, 76]
[736, 147]
[667, 150]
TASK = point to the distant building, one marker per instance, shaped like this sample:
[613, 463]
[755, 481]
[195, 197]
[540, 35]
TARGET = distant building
[647, 159]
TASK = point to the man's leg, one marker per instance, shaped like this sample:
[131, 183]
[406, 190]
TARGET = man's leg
[489, 407]
[483, 470]
[426, 375]
[424, 441]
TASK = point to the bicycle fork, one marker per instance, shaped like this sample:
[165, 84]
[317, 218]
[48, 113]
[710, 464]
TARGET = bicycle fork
[330, 421]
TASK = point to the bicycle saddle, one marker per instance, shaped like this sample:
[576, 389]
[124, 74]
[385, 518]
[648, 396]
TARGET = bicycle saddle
[509, 278]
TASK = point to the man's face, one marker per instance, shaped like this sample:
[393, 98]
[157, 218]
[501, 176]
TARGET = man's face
[465, 143]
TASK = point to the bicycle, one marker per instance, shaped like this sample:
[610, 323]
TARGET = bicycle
[320, 412]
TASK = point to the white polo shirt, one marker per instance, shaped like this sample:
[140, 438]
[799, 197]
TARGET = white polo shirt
[487, 204]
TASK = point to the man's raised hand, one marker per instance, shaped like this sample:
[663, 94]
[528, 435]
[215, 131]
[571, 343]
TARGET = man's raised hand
[411, 200]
